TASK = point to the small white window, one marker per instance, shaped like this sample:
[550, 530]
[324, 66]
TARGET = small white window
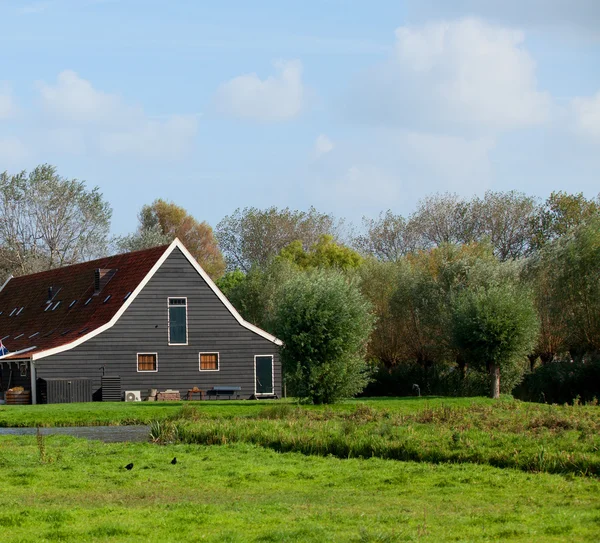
[209, 361]
[147, 362]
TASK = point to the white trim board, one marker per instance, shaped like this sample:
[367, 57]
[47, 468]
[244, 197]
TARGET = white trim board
[176, 244]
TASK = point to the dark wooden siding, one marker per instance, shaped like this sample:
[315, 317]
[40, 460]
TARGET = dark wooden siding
[143, 328]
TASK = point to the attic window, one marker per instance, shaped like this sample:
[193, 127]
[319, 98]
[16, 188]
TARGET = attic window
[107, 298]
[33, 335]
[55, 306]
[126, 296]
[72, 304]
[20, 335]
[87, 301]
[12, 312]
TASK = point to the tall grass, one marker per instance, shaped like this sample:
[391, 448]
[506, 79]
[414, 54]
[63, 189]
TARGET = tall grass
[508, 434]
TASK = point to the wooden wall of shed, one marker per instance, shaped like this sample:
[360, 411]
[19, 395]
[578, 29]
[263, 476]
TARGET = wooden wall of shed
[143, 328]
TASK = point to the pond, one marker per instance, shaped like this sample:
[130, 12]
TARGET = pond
[108, 434]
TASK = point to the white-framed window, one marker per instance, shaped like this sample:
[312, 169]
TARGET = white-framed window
[147, 362]
[178, 326]
[209, 361]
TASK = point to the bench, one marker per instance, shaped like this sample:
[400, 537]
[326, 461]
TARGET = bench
[224, 391]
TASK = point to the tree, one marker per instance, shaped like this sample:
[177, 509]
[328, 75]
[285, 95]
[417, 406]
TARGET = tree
[142, 239]
[48, 221]
[493, 327]
[164, 221]
[574, 261]
[255, 294]
[252, 237]
[325, 323]
[325, 253]
[560, 213]
[440, 219]
[505, 219]
[387, 238]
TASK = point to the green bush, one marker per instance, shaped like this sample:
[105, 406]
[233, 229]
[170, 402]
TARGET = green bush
[562, 381]
[439, 380]
[325, 324]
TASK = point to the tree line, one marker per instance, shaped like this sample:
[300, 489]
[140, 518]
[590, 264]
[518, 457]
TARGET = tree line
[461, 296]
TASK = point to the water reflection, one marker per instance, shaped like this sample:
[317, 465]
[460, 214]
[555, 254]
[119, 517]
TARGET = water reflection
[108, 434]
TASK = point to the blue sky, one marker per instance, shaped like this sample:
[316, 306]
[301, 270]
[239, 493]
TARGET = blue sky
[353, 107]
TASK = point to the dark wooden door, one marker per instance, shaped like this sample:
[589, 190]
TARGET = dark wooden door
[264, 374]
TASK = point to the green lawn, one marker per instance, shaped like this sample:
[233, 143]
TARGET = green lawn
[283, 472]
[66, 489]
[125, 413]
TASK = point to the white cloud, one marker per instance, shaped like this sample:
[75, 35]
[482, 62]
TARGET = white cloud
[172, 137]
[278, 98]
[586, 116]
[87, 118]
[323, 145]
[75, 99]
[12, 151]
[394, 168]
[465, 73]
[7, 105]
[577, 16]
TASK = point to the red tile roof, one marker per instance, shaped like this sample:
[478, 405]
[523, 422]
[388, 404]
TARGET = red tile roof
[34, 324]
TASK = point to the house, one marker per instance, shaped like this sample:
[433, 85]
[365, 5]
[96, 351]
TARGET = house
[154, 318]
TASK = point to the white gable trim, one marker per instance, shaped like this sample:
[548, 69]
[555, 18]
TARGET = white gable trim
[22, 351]
[6, 282]
[176, 244]
[222, 297]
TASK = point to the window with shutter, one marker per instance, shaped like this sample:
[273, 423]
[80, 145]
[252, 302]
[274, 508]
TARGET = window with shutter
[147, 362]
[209, 361]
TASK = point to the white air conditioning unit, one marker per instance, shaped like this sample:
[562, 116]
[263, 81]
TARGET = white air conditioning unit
[133, 396]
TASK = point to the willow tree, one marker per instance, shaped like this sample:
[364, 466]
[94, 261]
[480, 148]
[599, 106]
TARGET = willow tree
[494, 327]
[325, 324]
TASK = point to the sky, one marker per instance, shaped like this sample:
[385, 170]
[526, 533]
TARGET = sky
[351, 107]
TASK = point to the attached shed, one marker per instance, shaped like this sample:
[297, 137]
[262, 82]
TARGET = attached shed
[154, 318]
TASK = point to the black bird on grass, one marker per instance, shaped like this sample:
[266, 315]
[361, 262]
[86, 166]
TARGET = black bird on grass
[174, 461]
[129, 466]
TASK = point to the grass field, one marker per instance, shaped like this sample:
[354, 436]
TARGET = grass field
[338, 479]
[79, 491]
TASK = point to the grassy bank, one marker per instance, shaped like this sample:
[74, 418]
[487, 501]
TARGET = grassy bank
[64, 489]
[506, 433]
[128, 413]
[530, 437]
